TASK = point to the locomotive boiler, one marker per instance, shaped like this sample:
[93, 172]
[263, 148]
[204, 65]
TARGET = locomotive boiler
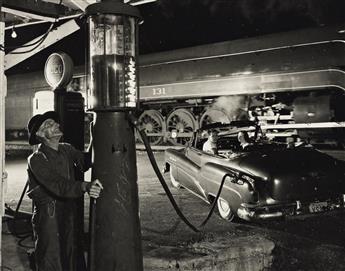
[292, 83]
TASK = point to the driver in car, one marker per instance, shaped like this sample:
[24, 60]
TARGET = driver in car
[210, 146]
[244, 140]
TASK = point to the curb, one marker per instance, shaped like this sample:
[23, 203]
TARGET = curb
[252, 253]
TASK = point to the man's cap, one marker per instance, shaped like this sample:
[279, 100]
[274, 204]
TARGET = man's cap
[35, 123]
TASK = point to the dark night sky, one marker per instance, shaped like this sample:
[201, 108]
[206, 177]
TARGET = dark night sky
[172, 24]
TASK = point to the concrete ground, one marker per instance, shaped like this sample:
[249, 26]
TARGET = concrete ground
[168, 244]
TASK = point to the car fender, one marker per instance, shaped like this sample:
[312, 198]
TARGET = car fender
[211, 175]
[184, 170]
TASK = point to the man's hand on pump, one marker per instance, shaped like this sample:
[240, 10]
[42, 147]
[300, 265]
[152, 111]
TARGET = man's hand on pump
[94, 188]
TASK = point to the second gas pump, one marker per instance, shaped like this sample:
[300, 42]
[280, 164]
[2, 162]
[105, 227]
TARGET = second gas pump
[70, 107]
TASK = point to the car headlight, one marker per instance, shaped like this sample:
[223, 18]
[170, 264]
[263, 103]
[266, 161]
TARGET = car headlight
[240, 178]
[248, 179]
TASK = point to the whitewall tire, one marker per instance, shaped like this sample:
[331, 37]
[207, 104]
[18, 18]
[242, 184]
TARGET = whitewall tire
[224, 209]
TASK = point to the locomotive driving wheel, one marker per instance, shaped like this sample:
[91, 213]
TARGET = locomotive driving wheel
[212, 115]
[153, 123]
[181, 124]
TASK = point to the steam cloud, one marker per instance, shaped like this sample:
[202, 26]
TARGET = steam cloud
[234, 106]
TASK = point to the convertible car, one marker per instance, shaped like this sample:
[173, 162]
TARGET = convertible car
[268, 180]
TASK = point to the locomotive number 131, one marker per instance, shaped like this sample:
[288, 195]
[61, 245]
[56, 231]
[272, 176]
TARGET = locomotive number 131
[158, 91]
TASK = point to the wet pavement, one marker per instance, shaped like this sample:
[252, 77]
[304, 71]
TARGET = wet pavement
[306, 243]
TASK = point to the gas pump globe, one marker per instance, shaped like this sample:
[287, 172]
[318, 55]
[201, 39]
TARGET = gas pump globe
[113, 56]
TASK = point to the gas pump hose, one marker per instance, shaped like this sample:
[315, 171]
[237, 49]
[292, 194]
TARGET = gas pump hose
[166, 188]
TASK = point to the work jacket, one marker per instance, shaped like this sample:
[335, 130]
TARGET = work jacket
[54, 189]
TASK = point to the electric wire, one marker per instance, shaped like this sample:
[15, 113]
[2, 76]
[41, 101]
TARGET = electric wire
[36, 44]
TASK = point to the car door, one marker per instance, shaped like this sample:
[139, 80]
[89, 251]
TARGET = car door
[189, 170]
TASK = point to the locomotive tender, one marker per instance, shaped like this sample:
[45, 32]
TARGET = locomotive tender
[292, 83]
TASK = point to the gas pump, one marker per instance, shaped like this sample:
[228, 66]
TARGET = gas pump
[70, 107]
[115, 227]
[116, 234]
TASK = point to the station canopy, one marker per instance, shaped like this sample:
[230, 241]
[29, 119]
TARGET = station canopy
[20, 13]
[25, 12]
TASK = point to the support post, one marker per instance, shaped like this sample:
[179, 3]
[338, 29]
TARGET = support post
[3, 87]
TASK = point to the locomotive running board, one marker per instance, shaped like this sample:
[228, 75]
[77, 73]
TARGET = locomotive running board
[314, 125]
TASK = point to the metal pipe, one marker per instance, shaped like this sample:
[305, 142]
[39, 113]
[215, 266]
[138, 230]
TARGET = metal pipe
[91, 255]
[3, 88]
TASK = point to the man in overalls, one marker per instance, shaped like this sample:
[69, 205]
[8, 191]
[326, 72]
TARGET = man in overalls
[53, 189]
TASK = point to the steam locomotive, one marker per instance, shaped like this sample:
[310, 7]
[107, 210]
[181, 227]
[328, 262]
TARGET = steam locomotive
[291, 83]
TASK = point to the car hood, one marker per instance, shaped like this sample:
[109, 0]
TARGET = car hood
[296, 173]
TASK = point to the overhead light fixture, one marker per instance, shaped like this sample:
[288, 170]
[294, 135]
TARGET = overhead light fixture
[14, 33]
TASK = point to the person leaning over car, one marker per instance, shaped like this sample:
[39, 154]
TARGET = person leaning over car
[53, 188]
[244, 139]
[210, 145]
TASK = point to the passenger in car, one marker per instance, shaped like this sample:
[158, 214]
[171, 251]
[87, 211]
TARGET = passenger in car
[210, 145]
[290, 142]
[244, 140]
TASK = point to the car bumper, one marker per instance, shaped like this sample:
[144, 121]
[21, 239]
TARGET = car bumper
[251, 212]
[250, 215]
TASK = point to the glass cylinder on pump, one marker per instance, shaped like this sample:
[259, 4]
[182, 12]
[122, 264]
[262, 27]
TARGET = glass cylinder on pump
[112, 67]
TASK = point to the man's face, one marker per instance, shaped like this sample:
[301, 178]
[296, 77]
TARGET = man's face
[214, 136]
[49, 129]
[241, 137]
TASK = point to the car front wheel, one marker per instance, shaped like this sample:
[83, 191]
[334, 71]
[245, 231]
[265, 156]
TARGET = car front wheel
[224, 209]
[175, 183]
